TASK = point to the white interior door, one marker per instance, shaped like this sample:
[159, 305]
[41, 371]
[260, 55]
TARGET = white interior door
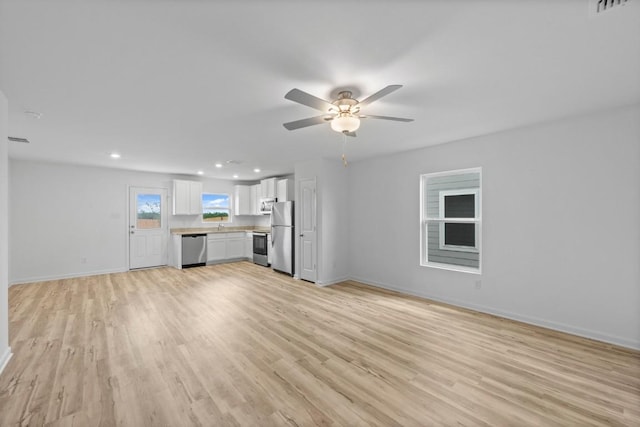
[307, 228]
[148, 229]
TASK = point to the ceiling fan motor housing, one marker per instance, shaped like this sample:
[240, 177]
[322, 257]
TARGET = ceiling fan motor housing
[345, 103]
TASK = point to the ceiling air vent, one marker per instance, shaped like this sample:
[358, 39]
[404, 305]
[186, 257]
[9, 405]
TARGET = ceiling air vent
[599, 6]
[16, 139]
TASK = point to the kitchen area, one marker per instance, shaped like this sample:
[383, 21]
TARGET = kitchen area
[265, 238]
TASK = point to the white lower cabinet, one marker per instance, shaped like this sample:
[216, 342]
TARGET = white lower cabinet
[226, 246]
[235, 248]
[216, 249]
[248, 246]
[175, 251]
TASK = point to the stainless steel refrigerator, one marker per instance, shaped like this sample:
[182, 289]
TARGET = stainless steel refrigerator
[282, 232]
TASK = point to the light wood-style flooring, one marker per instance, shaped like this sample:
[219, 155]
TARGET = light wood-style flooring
[240, 345]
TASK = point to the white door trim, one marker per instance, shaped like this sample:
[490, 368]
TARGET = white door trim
[160, 234]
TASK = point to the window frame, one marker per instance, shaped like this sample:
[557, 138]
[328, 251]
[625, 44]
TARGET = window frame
[450, 220]
[228, 209]
[425, 221]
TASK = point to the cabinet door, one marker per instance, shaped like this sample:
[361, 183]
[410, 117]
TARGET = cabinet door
[187, 197]
[268, 187]
[284, 190]
[248, 246]
[216, 249]
[181, 197]
[242, 200]
[256, 194]
[281, 190]
[235, 248]
[195, 198]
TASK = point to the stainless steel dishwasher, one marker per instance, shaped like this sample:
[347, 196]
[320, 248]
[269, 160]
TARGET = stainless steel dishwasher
[194, 250]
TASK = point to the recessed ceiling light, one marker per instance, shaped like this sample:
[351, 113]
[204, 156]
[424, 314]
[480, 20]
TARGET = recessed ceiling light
[256, 170]
[114, 155]
[235, 176]
[218, 165]
[200, 172]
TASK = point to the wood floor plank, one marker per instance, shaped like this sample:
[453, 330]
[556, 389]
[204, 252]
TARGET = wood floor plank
[240, 345]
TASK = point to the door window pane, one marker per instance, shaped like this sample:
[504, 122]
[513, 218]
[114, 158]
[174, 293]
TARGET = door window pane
[148, 208]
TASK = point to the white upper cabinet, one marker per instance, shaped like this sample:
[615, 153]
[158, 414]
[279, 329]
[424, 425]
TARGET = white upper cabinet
[256, 194]
[284, 190]
[268, 187]
[187, 197]
[243, 203]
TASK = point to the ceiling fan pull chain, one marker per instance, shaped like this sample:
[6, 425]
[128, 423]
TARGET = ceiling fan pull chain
[344, 149]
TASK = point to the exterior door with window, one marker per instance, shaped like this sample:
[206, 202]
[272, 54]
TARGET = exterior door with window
[148, 229]
[308, 238]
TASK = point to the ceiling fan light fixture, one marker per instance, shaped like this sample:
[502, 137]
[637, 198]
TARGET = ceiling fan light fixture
[345, 123]
[343, 113]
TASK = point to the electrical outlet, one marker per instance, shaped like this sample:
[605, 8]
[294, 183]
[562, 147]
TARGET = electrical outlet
[478, 284]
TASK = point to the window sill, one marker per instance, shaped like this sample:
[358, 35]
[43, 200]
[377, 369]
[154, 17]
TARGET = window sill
[450, 267]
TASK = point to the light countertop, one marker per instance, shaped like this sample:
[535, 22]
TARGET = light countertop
[215, 229]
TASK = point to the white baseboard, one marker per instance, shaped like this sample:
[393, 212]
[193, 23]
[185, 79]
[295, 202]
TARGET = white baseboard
[330, 282]
[64, 276]
[4, 359]
[556, 326]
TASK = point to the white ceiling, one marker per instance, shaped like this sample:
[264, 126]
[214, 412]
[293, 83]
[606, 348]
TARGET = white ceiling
[175, 86]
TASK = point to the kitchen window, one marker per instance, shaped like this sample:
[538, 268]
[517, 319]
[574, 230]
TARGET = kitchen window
[451, 222]
[216, 207]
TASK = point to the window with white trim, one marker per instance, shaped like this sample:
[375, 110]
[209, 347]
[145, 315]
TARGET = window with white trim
[216, 207]
[451, 225]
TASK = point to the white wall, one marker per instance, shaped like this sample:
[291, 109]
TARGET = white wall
[561, 233]
[61, 214]
[5, 350]
[334, 214]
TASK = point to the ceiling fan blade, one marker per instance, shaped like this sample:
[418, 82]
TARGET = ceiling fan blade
[296, 95]
[379, 94]
[17, 139]
[397, 119]
[306, 122]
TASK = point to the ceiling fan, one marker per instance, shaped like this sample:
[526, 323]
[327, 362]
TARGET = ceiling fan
[344, 113]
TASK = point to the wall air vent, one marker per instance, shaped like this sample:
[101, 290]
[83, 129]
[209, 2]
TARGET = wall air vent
[599, 6]
[16, 139]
